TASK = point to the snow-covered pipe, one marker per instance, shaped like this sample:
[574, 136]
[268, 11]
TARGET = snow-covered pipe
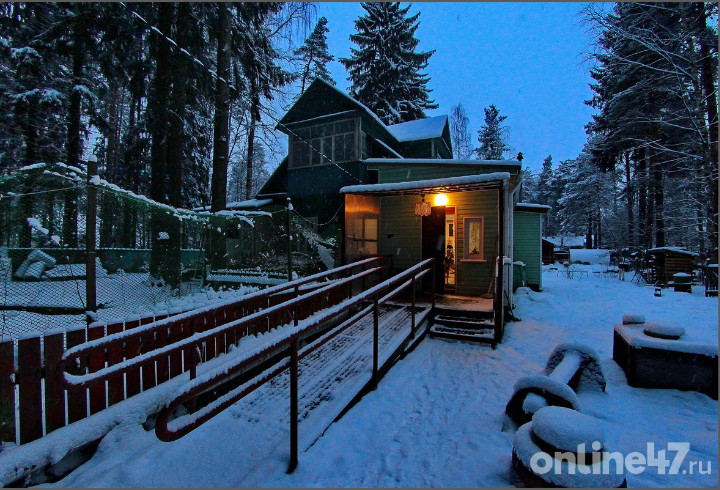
[562, 373]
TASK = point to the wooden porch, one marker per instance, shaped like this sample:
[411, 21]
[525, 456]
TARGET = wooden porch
[456, 317]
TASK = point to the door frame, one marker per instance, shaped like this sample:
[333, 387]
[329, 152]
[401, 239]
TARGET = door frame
[437, 213]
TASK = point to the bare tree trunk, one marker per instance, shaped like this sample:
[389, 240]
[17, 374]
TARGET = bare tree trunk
[630, 196]
[25, 203]
[221, 136]
[160, 266]
[707, 74]
[74, 145]
[658, 203]
[251, 143]
[106, 200]
[650, 201]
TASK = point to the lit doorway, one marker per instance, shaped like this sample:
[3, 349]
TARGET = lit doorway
[450, 249]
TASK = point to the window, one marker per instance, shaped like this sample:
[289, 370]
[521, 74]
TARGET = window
[324, 144]
[363, 237]
[473, 239]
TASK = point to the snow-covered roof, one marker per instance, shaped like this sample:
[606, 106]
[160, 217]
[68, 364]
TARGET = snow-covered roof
[567, 241]
[466, 182]
[382, 143]
[363, 106]
[443, 161]
[679, 250]
[430, 127]
[237, 205]
[538, 208]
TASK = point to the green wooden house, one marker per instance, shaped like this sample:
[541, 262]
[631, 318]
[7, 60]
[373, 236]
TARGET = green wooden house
[397, 191]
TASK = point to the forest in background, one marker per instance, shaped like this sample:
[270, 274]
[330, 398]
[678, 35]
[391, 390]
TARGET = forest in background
[648, 174]
[179, 102]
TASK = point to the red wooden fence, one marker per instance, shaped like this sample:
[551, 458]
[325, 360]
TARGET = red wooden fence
[28, 366]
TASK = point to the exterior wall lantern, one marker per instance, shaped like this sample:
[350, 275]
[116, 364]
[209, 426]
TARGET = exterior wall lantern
[441, 200]
[422, 208]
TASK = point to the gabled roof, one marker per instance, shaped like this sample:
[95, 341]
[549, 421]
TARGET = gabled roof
[421, 129]
[320, 99]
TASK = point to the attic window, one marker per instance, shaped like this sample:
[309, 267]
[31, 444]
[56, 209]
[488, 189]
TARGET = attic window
[323, 144]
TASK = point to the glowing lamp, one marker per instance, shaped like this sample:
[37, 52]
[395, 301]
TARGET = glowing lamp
[441, 200]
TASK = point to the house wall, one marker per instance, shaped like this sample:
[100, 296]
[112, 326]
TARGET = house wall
[473, 277]
[527, 246]
[397, 217]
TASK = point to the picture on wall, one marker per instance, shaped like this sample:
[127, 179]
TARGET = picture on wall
[473, 240]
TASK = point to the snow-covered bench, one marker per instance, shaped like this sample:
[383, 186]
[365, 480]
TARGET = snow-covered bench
[657, 355]
[570, 367]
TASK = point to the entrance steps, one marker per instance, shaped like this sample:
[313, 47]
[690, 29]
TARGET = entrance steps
[472, 326]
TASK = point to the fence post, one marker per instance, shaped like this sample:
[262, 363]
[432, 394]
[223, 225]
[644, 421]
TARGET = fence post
[293, 405]
[289, 240]
[412, 311]
[90, 232]
[375, 341]
[433, 283]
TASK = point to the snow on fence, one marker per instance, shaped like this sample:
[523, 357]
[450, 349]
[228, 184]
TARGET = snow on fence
[148, 255]
[33, 403]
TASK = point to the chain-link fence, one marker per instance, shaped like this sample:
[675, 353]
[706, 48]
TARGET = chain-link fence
[149, 258]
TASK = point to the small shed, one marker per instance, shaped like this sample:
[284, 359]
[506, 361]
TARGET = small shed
[548, 252]
[671, 260]
[527, 248]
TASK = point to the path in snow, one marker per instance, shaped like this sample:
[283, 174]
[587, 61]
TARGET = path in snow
[437, 417]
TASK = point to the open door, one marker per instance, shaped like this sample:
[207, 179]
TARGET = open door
[433, 246]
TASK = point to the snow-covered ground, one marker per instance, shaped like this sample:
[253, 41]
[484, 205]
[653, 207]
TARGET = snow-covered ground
[119, 295]
[437, 418]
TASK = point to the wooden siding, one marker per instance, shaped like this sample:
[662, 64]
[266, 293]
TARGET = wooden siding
[402, 173]
[473, 278]
[397, 216]
[527, 245]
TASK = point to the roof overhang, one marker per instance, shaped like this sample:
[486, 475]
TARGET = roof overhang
[432, 186]
[533, 208]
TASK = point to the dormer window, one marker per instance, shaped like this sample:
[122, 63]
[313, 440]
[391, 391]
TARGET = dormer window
[324, 144]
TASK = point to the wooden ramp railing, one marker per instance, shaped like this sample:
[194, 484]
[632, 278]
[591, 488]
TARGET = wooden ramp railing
[35, 400]
[283, 353]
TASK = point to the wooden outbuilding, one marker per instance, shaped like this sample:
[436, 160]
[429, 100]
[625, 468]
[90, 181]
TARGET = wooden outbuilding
[668, 261]
[548, 252]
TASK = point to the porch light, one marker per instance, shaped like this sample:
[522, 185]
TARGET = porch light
[441, 200]
[422, 208]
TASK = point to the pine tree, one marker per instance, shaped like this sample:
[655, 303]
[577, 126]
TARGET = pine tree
[657, 98]
[386, 70]
[547, 195]
[314, 56]
[491, 135]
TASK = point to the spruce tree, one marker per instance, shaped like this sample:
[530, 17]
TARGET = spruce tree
[314, 56]
[386, 70]
[491, 135]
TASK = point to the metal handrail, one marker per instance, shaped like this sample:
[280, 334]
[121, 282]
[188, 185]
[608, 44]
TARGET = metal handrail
[74, 354]
[213, 379]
